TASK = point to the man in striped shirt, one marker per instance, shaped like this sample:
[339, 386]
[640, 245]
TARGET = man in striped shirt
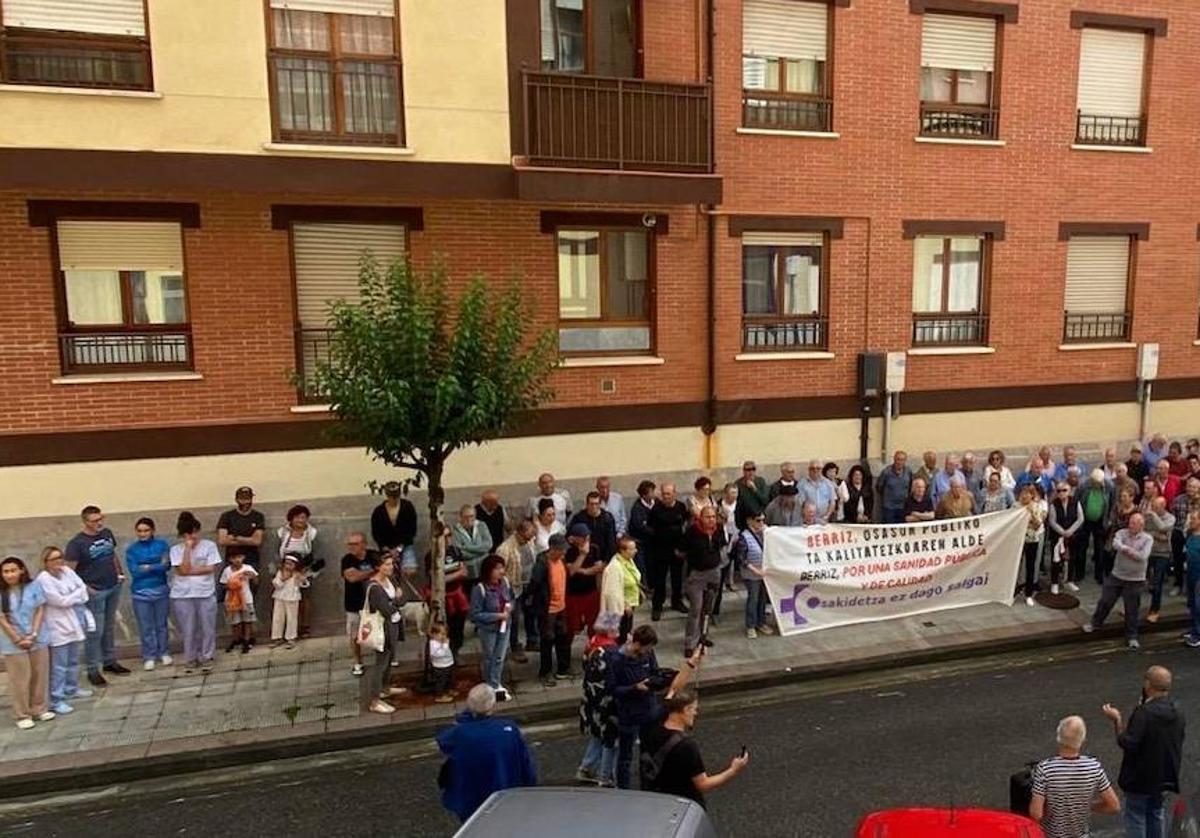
[1068, 787]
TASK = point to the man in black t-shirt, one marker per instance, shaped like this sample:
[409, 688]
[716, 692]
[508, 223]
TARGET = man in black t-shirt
[358, 565]
[671, 762]
[242, 526]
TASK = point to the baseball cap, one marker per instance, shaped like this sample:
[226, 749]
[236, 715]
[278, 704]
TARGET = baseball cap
[557, 542]
[580, 531]
[244, 492]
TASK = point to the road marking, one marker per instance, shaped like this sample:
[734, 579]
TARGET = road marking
[892, 694]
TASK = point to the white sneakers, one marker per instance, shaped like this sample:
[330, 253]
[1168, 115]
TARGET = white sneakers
[1072, 587]
[1029, 601]
[148, 666]
[49, 715]
[380, 706]
[166, 660]
[356, 670]
[25, 724]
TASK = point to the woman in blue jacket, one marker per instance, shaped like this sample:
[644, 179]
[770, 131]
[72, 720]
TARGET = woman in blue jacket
[491, 612]
[149, 560]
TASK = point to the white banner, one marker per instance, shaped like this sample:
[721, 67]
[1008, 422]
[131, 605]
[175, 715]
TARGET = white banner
[838, 574]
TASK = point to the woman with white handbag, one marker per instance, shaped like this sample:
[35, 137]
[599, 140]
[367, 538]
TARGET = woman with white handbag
[380, 630]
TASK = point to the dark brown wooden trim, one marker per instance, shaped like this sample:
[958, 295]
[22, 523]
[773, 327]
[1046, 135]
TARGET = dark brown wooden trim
[1067, 229]
[1156, 26]
[1012, 398]
[45, 213]
[833, 227]
[551, 220]
[933, 227]
[524, 24]
[844, 4]
[575, 186]
[284, 216]
[1008, 12]
[787, 409]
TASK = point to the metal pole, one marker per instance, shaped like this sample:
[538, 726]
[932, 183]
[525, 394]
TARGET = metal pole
[1145, 417]
[887, 428]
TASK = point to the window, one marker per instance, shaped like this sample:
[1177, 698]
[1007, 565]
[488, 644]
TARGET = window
[1111, 84]
[1098, 279]
[124, 299]
[604, 291]
[596, 37]
[783, 292]
[958, 66]
[949, 289]
[785, 46]
[335, 72]
[75, 43]
[327, 259]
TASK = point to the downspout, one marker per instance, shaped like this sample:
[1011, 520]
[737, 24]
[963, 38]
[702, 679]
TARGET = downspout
[710, 413]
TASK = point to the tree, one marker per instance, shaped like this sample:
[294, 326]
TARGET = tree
[414, 385]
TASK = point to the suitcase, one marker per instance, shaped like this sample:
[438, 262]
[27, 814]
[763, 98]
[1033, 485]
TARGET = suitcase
[1020, 790]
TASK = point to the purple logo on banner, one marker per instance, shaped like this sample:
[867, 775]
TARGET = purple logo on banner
[791, 605]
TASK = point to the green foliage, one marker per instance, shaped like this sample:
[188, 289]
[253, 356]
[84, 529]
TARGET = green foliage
[413, 383]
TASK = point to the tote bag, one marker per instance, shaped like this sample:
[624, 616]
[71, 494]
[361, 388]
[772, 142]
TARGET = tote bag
[370, 627]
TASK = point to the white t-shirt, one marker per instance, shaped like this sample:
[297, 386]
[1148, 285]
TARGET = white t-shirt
[204, 554]
[300, 545]
[542, 537]
[248, 573]
[440, 655]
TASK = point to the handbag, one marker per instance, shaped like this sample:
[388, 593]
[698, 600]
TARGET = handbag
[370, 627]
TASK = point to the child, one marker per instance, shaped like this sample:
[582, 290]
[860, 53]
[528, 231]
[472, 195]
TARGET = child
[442, 660]
[285, 620]
[239, 598]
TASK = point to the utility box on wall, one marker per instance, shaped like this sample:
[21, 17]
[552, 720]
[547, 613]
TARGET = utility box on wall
[871, 370]
[1147, 368]
[897, 366]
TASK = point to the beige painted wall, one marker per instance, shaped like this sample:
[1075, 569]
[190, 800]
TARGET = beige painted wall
[211, 87]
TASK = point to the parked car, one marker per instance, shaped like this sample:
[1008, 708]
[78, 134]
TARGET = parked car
[557, 811]
[947, 823]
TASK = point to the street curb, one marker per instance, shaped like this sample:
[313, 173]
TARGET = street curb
[42, 781]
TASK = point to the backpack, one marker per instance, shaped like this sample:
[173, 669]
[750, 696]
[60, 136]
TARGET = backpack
[652, 764]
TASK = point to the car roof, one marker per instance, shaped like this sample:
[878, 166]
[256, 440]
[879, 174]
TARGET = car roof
[947, 823]
[555, 811]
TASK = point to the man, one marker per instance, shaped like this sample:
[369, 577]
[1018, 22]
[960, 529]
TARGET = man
[1094, 502]
[928, 467]
[394, 526]
[1136, 464]
[358, 565]
[243, 526]
[1155, 450]
[808, 515]
[1168, 484]
[483, 755]
[816, 489]
[1152, 743]
[1069, 459]
[601, 526]
[1132, 548]
[1160, 523]
[671, 760]
[639, 527]
[1186, 504]
[548, 600]
[892, 488]
[585, 566]
[1069, 786]
[703, 547]
[753, 494]
[561, 498]
[666, 522]
[92, 554]
[918, 507]
[519, 557]
[1192, 447]
[473, 541]
[1035, 475]
[1176, 462]
[612, 503]
[787, 477]
[1122, 481]
[975, 481]
[491, 513]
[1110, 463]
[1074, 476]
[784, 510]
[957, 502]
[941, 481]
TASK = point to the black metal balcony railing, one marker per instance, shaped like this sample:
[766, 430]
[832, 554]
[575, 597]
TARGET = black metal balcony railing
[608, 123]
[1097, 328]
[1092, 129]
[958, 121]
[73, 61]
[763, 109]
[782, 335]
[950, 329]
[312, 346]
[125, 351]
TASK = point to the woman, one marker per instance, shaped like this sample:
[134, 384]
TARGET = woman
[454, 571]
[750, 550]
[547, 524]
[996, 497]
[65, 595]
[919, 505]
[491, 612]
[831, 472]
[299, 539]
[597, 717]
[702, 497]
[383, 598]
[621, 586]
[194, 562]
[23, 637]
[727, 515]
[1063, 521]
[1118, 520]
[1191, 547]
[858, 501]
[1033, 537]
[149, 560]
[995, 465]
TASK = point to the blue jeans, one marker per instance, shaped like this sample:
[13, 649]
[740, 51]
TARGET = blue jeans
[64, 671]
[756, 601]
[100, 650]
[152, 623]
[1159, 565]
[599, 759]
[627, 738]
[1143, 815]
[495, 649]
[1193, 596]
[893, 516]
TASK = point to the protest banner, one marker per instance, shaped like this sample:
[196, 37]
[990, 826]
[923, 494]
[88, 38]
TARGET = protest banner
[838, 574]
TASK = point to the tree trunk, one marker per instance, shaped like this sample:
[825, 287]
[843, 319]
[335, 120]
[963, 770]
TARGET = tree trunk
[437, 543]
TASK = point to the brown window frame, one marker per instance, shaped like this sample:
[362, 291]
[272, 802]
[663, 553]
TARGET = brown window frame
[820, 318]
[335, 57]
[589, 41]
[1120, 23]
[1136, 233]
[980, 313]
[989, 111]
[649, 321]
[52, 40]
[822, 101]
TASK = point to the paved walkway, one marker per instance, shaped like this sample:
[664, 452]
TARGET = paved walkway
[279, 694]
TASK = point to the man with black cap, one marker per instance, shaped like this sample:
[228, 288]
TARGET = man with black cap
[394, 527]
[547, 594]
[585, 565]
[242, 526]
[785, 510]
[753, 495]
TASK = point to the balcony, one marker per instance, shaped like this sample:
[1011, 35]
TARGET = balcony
[781, 112]
[788, 334]
[593, 122]
[68, 60]
[94, 352]
[964, 122]
[967, 329]
[1097, 328]
[1091, 129]
[312, 346]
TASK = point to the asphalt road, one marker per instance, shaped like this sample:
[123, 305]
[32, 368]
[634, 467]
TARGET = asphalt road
[822, 755]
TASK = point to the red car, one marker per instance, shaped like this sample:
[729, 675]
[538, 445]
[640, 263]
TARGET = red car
[947, 823]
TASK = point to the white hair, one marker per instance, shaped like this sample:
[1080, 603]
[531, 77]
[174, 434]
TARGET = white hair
[481, 700]
[1071, 732]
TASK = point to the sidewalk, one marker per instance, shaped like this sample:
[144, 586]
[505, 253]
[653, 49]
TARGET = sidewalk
[280, 702]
